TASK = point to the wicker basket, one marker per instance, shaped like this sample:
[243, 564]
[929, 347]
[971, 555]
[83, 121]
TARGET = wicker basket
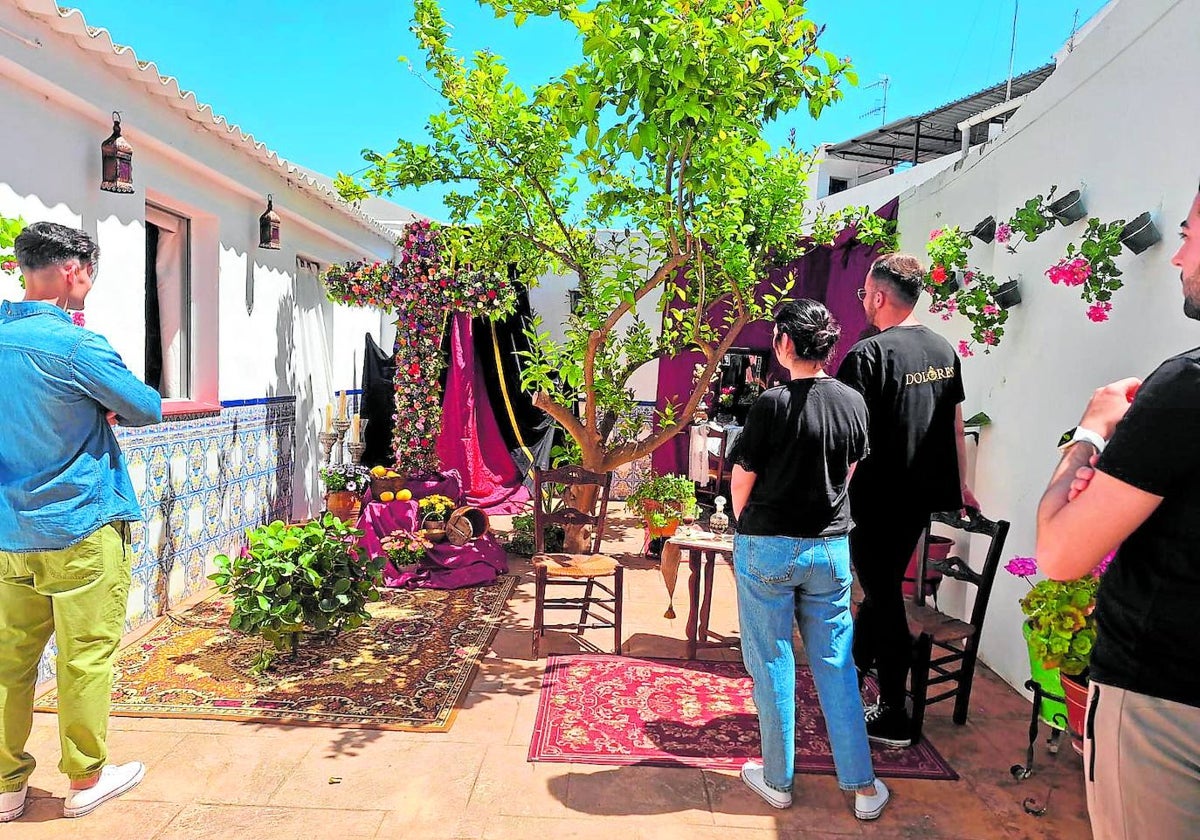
[466, 524]
[386, 485]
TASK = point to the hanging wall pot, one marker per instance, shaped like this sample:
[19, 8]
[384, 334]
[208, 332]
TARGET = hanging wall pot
[1009, 293]
[953, 283]
[1068, 209]
[985, 231]
[1140, 234]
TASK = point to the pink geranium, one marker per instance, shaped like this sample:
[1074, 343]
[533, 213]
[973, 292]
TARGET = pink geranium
[8, 266]
[964, 350]
[991, 309]
[1099, 311]
[934, 234]
[989, 338]
[1021, 566]
[77, 319]
[1003, 233]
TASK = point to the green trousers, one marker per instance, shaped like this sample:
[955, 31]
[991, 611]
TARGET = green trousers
[79, 594]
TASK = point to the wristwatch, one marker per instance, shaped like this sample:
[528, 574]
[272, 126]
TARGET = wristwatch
[1078, 434]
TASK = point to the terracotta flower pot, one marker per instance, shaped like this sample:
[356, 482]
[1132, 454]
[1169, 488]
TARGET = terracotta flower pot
[666, 530]
[1075, 690]
[343, 504]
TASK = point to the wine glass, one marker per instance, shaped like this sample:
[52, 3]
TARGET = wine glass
[688, 517]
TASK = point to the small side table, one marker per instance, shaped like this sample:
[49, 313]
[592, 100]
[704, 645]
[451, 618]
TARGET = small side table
[701, 551]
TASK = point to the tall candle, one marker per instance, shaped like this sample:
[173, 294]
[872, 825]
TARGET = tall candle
[354, 430]
[342, 405]
[328, 418]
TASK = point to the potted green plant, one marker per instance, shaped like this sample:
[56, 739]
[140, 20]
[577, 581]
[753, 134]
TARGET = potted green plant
[661, 501]
[344, 486]
[947, 249]
[1008, 293]
[1061, 633]
[433, 512]
[405, 548]
[520, 538]
[295, 579]
[1089, 265]
[1030, 220]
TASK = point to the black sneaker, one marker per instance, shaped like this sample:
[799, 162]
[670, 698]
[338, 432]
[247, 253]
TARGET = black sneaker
[889, 726]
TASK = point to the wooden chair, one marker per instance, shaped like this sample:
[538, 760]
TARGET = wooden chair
[953, 641]
[599, 606]
[720, 471]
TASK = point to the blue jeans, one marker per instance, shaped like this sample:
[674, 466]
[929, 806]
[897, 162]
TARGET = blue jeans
[778, 577]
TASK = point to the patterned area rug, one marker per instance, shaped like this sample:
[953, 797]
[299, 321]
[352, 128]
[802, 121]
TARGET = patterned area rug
[672, 713]
[406, 669]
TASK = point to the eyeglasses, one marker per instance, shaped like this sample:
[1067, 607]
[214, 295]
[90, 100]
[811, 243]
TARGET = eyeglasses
[862, 294]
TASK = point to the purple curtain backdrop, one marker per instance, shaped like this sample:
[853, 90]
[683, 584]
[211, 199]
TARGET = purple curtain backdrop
[470, 440]
[831, 274]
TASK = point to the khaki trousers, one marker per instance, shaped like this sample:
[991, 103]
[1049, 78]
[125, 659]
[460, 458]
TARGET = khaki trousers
[1142, 764]
[80, 594]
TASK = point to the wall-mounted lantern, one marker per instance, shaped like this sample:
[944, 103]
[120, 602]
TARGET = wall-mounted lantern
[116, 161]
[268, 227]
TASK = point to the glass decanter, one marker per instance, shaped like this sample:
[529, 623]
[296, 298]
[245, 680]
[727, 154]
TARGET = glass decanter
[718, 522]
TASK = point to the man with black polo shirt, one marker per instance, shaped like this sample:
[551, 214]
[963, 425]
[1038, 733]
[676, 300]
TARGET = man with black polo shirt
[911, 380]
[1142, 736]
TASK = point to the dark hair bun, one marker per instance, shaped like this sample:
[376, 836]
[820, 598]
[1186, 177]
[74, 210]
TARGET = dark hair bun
[811, 328]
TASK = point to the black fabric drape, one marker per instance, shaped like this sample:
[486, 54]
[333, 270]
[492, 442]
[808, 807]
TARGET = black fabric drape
[378, 404]
[153, 323]
[528, 431]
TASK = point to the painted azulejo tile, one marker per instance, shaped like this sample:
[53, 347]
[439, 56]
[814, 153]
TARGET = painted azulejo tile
[202, 482]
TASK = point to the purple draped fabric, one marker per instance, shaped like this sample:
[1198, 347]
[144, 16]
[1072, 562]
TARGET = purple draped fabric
[831, 274]
[445, 566]
[470, 440]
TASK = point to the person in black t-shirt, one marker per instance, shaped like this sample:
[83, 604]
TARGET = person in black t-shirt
[792, 464]
[912, 383]
[1142, 739]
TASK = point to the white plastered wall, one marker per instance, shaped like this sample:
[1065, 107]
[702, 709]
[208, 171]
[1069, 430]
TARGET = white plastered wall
[260, 327]
[1117, 120]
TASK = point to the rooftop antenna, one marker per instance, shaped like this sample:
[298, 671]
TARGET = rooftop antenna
[881, 104]
[1074, 32]
[1012, 53]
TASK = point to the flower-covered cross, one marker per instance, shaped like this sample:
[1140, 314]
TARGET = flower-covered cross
[423, 287]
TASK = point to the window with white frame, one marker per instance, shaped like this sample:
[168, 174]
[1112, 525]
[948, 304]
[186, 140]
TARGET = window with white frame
[168, 303]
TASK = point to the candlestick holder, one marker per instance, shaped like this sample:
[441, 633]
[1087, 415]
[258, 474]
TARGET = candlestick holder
[327, 440]
[340, 426]
[356, 451]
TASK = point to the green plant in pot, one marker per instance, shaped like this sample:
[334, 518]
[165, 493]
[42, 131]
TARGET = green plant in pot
[661, 501]
[433, 512]
[1061, 632]
[520, 538]
[297, 579]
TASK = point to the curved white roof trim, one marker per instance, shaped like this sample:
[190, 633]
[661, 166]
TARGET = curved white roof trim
[70, 22]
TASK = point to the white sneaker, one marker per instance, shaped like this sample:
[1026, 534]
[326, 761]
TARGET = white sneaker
[12, 804]
[752, 775]
[868, 806]
[115, 779]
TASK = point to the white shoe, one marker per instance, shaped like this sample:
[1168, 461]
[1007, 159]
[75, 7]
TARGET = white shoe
[868, 806]
[752, 775]
[12, 804]
[115, 779]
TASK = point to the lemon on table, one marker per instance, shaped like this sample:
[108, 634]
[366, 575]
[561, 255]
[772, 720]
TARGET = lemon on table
[404, 495]
[379, 472]
[392, 474]
[387, 496]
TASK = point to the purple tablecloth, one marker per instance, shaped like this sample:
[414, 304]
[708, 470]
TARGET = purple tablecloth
[445, 566]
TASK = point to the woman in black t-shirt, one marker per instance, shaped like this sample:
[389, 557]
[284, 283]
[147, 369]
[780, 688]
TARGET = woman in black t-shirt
[792, 464]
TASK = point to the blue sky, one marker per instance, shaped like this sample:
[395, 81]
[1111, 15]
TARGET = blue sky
[319, 81]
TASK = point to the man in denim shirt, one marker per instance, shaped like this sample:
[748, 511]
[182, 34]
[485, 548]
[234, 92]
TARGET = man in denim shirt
[65, 504]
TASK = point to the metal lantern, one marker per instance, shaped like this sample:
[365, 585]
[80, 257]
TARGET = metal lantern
[116, 157]
[268, 227]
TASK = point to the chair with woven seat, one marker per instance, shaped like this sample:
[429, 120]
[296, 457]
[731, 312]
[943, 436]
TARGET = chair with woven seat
[955, 642]
[599, 606]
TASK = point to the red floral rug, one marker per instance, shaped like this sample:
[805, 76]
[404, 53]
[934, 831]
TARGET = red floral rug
[671, 713]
